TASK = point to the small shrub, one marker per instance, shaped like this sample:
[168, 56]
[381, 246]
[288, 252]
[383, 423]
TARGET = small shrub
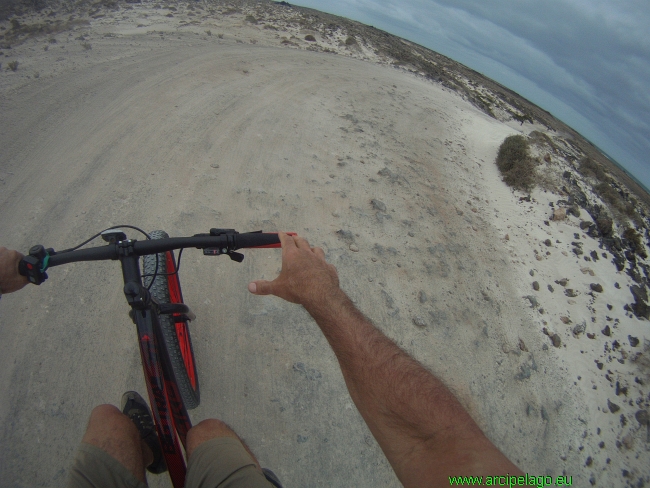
[587, 167]
[220, 36]
[51, 40]
[37, 74]
[609, 195]
[310, 38]
[515, 164]
[45, 48]
[13, 65]
[87, 46]
[208, 32]
[350, 41]
[251, 19]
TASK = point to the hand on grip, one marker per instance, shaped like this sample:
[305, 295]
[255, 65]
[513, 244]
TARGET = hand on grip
[306, 278]
[10, 278]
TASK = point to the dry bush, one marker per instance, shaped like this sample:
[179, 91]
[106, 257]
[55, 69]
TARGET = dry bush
[515, 164]
[310, 38]
[587, 167]
[13, 65]
[350, 41]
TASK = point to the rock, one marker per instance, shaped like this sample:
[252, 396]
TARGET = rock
[584, 225]
[378, 205]
[588, 271]
[544, 414]
[532, 300]
[507, 237]
[354, 248]
[531, 272]
[535, 286]
[573, 210]
[594, 255]
[634, 341]
[612, 406]
[557, 342]
[419, 321]
[548, 243]
[559, 214]
[550, 288]
[562, 282]
[565, 320]
[571, 293]
[590, 335]
[607, 331]
[597, 287]
[642, 417]
[346, 235]
[580, 328]
[422, 297]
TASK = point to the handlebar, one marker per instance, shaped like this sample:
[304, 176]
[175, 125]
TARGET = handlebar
[219, 241]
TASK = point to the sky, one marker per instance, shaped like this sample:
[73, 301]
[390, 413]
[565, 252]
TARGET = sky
[585, 61]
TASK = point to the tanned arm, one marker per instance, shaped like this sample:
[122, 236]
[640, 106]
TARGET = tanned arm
[423, 430]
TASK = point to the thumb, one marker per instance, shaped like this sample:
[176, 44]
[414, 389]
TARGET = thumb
[260, 287]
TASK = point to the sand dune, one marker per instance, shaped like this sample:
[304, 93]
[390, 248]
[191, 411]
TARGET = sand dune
[160, 124]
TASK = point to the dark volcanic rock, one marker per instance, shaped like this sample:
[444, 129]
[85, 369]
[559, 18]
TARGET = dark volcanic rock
[597, 287]
[607, 331]
[612, 406]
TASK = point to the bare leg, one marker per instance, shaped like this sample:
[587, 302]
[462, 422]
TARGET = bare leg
[113, 432]
[209, 429]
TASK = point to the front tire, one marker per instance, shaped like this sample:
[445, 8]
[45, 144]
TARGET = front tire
[175, 331]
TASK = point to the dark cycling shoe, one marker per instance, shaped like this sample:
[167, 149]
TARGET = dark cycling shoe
[134, 407]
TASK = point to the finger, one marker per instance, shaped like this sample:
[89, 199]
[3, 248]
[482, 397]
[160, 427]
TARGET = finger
[301, 243]
[319, 252]
[286, 240]
[260, 287]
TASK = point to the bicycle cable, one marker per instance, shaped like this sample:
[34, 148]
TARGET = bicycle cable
[155, 273]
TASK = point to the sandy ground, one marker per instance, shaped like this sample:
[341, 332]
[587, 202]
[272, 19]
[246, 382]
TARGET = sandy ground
[392, 175]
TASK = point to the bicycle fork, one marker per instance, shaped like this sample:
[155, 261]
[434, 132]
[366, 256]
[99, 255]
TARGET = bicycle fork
[170, 415]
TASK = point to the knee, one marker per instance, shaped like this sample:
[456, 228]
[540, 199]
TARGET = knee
[109, 417]
[105, 411]
[206, 430]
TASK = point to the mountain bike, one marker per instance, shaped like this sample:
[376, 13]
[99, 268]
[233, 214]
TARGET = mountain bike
[159, 313]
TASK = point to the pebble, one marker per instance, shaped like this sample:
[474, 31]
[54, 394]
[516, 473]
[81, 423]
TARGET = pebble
[612, 406]
[597, 287]
[557, 342]
[335, 214]
[419, 321]
[354, 248]
[374, 260]
[535, 286]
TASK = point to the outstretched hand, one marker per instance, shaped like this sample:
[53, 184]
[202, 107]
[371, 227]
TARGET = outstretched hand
[306, 278]
[10, 279]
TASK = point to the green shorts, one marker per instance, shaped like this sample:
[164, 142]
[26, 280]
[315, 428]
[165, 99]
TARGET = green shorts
[222, 462]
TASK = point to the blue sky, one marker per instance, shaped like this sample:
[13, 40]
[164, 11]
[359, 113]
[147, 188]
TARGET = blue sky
[585, 61]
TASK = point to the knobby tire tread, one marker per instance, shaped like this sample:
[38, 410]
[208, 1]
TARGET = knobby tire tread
[160, 291]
